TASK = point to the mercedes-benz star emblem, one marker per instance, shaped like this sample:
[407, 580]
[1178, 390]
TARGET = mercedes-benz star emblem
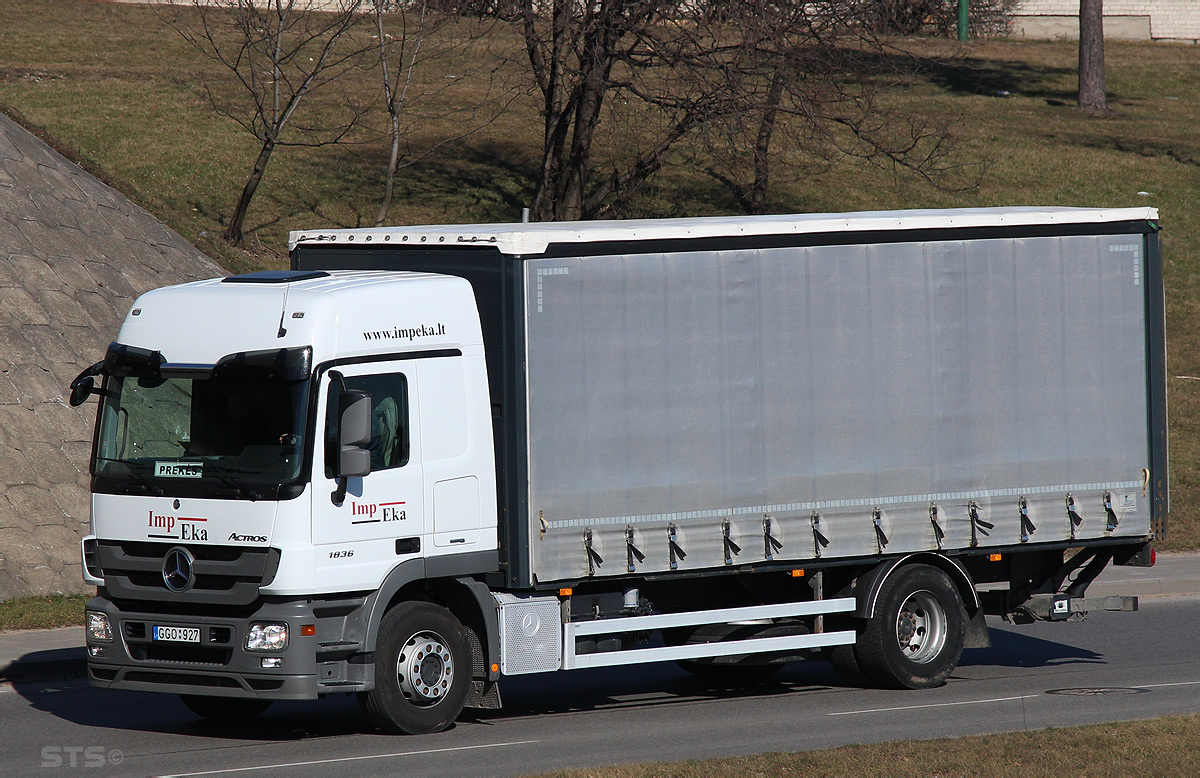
[177, 569]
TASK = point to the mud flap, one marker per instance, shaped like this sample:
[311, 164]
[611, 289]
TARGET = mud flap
[977, 632]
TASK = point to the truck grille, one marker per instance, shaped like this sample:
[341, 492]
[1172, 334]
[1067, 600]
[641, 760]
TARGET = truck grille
[180, 654]
[225, 575]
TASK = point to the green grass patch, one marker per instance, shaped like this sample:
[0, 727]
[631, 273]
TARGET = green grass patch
[121, 90]
[1163, 746]
[56, 610]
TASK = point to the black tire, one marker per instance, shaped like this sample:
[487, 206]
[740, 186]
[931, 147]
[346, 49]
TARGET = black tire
[422, 670]
[846, 664]
[224, 709]
[916, 637]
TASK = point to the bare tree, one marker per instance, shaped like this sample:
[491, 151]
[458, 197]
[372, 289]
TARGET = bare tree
[645, 63]
[415, 37]
[913, 17]
[1092, 97]
[277, 52]
[810, 93]
[765, 75]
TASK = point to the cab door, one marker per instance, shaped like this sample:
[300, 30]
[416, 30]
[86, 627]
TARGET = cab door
[381, 519]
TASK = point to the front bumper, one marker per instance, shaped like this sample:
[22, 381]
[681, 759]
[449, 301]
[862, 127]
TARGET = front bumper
[219, 665]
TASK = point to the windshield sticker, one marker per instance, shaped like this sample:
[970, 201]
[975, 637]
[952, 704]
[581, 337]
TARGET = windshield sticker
[178, 469]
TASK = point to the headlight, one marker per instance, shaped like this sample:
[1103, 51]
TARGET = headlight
[98, 628]
[267, 637]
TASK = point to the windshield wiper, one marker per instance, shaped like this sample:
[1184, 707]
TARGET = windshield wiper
[230, 481]
[221, 474]
[145, 482]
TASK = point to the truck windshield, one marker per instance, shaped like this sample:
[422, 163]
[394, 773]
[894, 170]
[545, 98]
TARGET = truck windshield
[239, 424]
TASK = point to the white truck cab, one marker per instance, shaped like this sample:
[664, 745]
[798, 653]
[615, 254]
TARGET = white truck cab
[217, 437]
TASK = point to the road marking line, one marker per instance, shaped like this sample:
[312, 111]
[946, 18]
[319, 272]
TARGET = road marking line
[931, 705]
[1161, 685]
[350, 759]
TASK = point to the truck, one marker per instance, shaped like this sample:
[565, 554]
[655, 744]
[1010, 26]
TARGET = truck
[424, 459]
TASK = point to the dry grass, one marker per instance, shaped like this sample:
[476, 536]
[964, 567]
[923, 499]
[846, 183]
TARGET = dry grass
[42, 612]
[1166, 746]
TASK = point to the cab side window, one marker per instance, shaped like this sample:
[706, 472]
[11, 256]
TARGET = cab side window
[389, 444]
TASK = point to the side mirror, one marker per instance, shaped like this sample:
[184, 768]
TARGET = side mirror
[81, 389]
[84, 385]
[354, 433]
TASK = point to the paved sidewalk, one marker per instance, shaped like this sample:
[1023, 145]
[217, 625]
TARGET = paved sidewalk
[39, 654]
[1173, 575]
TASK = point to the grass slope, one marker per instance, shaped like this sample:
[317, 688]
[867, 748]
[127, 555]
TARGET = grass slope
[116, 89]
[43, 612]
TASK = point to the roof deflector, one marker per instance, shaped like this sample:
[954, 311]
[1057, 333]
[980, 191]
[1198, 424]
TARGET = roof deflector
[275, 277]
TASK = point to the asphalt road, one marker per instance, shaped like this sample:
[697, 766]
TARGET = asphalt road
[1113, 666]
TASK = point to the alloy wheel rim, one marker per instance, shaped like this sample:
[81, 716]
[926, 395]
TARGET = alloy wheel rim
[921, 627]
[425, 669]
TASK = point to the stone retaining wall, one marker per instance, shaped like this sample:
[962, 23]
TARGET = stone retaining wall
[73, 255]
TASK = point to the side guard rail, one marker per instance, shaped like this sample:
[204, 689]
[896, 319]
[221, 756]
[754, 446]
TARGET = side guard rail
[757, 614]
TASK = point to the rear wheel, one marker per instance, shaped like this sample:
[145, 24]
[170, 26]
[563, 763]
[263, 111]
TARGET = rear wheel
[916, 637]
[422, 670]
[231, 709]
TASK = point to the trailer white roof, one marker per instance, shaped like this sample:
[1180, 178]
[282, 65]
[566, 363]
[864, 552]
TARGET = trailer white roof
[533, 238]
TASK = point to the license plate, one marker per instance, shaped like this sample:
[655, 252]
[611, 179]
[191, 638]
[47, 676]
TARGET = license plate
[177, 634]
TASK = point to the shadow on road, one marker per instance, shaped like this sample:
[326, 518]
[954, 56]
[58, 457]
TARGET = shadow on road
[609, 689]
[645, 686]
[164, 713]
[1019, 649]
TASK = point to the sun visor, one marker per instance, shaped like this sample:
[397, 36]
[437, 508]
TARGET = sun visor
[121, 360]
[288, 364]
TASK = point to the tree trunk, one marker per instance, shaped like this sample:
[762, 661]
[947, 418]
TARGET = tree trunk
[1091, 56]
[551, 77]
[574, 174]
[576, 166]
[233, 233]
[393, 159]
[762, 146]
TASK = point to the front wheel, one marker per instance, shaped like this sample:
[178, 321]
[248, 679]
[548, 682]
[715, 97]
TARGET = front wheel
[422, 670]
[916, 636]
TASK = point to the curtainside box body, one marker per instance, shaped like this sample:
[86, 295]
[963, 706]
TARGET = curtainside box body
[688, 396]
